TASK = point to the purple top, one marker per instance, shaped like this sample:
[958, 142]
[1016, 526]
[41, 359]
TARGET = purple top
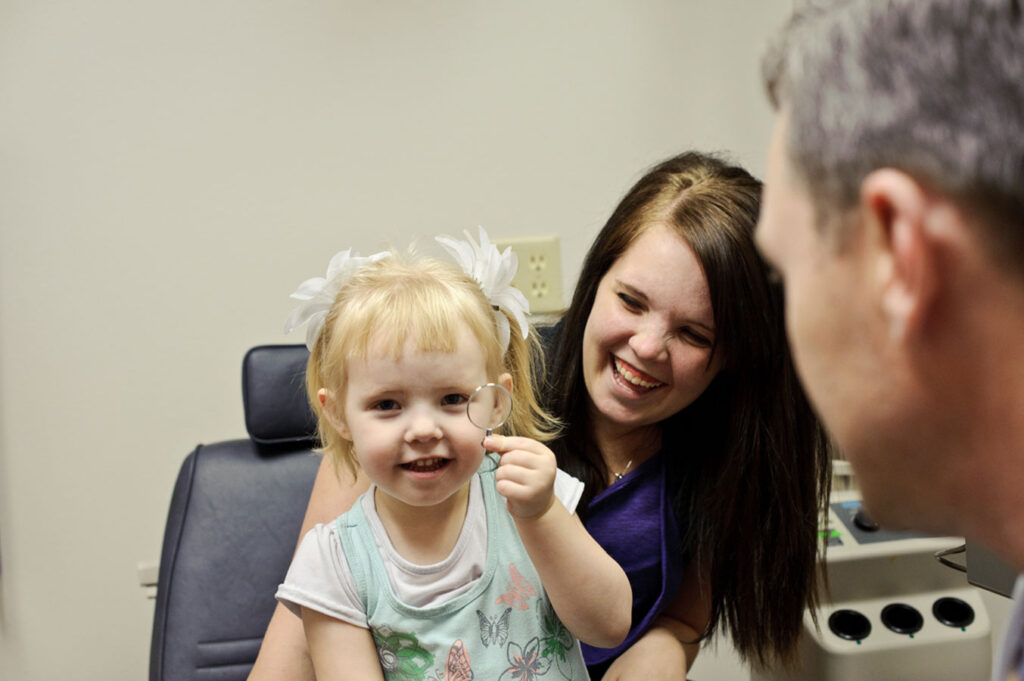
[633, 520]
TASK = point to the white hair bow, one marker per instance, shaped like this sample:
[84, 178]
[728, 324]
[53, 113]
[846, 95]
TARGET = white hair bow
[318, 293]
[494, 272]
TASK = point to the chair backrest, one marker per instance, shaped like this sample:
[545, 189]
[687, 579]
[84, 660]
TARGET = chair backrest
[232, 527]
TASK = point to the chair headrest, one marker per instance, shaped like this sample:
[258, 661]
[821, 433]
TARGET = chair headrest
[274, 394]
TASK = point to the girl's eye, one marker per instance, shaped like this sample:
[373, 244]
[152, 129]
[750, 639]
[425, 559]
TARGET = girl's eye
[453, 400]
[386, 405]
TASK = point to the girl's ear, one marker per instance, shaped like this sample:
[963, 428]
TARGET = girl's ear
[330, 408]
[505, 381]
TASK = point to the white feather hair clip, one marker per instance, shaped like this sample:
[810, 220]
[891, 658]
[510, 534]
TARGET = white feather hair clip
[318, 294]
[494, 272]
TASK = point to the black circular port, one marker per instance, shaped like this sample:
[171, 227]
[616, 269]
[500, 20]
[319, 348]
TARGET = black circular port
[862, 520]
[849, 624]
[902, 618]
[953, 612]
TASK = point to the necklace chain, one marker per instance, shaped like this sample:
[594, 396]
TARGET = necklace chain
[619, 476]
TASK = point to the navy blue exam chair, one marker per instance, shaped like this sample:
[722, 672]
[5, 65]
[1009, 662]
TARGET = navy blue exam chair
[232, 527]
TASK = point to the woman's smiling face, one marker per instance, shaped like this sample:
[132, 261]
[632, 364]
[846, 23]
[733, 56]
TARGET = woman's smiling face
[647, 345]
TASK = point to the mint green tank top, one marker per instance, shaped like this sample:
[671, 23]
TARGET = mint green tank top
[502, 628]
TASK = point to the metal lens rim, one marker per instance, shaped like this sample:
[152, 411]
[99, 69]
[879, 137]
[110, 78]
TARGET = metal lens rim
[469, 404]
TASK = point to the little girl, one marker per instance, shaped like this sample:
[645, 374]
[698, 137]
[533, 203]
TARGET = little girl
[430, 576]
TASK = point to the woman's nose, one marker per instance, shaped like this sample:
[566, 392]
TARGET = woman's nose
[650, 343]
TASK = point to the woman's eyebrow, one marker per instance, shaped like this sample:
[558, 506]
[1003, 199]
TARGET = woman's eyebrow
[632, 290]
[642, 297]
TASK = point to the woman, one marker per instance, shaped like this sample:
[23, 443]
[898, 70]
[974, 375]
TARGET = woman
[694, 426]
[684, 418]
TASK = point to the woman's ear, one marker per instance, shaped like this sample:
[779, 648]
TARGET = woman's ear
[333, 413]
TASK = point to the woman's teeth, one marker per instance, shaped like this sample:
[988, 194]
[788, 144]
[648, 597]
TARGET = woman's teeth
[625, 372]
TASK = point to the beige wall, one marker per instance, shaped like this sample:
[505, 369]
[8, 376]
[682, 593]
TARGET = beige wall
[169, 171]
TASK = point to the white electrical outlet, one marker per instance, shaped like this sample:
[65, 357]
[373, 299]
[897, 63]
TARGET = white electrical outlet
[148, 571]
[540, 271]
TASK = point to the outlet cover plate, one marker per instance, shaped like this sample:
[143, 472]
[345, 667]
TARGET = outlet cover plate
[539, 276]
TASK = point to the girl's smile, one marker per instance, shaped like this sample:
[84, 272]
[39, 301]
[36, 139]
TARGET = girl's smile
[426, 466]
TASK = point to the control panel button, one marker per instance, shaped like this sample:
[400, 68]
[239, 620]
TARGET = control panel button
[849, 624]
[902, 618]
[953, 612]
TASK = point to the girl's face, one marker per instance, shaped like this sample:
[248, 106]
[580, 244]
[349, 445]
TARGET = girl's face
[648, 339]
[407, 419]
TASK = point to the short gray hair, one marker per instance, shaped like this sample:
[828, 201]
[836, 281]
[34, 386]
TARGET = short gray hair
[934, 88]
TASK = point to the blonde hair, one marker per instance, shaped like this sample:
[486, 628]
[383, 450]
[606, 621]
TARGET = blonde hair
[401, 299]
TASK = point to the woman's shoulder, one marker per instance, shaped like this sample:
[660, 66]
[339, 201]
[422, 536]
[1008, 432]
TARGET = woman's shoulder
[548, 333]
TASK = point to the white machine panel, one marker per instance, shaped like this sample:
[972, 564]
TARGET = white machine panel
[892, 611]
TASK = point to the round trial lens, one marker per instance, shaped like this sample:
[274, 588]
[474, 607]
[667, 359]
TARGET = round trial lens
[489, 407]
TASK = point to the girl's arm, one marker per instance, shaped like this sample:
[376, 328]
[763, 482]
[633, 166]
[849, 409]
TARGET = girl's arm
[667, 650]
[588, 590]
[340, 651]
[284, 655]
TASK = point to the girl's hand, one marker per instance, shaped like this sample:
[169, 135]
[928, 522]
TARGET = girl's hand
[525, 475]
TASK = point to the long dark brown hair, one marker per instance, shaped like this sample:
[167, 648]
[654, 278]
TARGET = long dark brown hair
[748, 461]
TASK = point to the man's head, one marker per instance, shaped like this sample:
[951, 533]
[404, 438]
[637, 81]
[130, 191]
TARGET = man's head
[894, 209]
[934, 88]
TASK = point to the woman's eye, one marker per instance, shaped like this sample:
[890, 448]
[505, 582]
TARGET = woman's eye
[696, 338]
[454, 399]
[629, 301]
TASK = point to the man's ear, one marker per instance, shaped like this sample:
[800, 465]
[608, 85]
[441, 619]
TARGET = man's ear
[897, 212]
[332, 412]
